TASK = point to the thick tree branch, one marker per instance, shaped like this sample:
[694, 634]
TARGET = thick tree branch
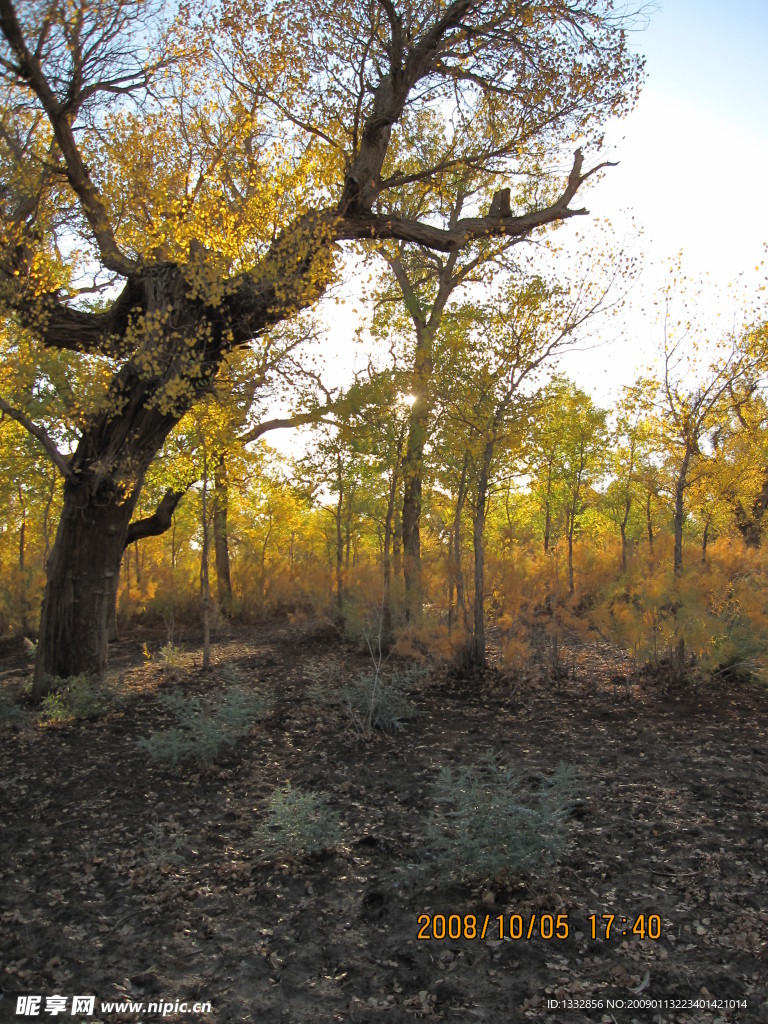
[253, 305]
[59, 460]
[470, 228]
[278, 424]
[362, 182]
[159, 521]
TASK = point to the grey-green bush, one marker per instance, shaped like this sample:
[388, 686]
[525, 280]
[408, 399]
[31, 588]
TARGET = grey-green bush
[296, 823]
[492, 822]
[206, 728]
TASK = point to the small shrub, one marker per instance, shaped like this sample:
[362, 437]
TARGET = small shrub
[375, 701]
[80, 697]
[493, 822]
[53, 708]
[171, 656]
[163, 844]
[207, 729]
[372, 700]
[297, 823]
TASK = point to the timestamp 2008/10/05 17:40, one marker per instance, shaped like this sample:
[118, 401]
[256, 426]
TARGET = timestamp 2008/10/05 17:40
[549, 927]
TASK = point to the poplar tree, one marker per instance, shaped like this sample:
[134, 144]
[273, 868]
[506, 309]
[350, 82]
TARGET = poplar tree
[206, 168]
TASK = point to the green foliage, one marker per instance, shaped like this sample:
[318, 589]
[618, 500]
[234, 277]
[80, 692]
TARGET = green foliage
[81, 697]
[297, 823]
[207, 728]
[170, 656]
[493, 822]
[371, 700]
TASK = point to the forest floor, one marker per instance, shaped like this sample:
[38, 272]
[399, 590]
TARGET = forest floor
[136, 881]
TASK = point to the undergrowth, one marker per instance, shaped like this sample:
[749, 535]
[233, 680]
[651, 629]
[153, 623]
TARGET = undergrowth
[297, 823]
[207, 728]
[80, 697]
[492, 822]
[372, 700]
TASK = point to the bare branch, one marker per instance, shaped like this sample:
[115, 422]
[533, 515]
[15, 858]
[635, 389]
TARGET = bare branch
[315, 416]
[468, 229]
[59, 116]
[59, 460]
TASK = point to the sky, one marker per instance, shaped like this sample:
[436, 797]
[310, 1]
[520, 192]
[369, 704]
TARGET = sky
[692, 179]
[693, 157]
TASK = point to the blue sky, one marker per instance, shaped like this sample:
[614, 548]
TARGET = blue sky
[710, 54]
[692, 174]
[694, 153]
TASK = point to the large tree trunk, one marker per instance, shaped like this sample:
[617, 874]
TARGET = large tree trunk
[105, 474]
[456, 571]
[80, 589]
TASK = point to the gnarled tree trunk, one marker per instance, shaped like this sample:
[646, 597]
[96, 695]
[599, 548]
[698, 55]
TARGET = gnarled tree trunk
[105, 474]
[80, 589]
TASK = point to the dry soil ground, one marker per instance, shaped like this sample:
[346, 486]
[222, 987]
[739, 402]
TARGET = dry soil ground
[130, 880]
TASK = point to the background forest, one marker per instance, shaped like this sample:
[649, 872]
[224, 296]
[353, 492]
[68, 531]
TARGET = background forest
[361, 658]
[542, 515]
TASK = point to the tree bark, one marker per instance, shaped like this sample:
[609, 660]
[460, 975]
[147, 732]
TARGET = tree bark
[476, 653]
[412, 540]
[548, 509]
[397, 546]
[80, 588]
[221, 536]
[477, 646]
[386, 555]
[205, 583]
[413, 468]
[477, 650]
[340, 545]
[571, 525]
[679, 516]
[104, 476]
[623, 529]
[457, 573]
